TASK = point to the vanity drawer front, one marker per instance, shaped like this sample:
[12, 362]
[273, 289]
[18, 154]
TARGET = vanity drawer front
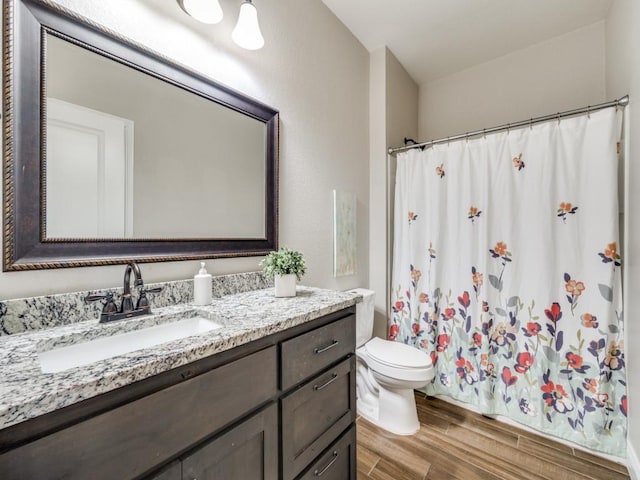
[338, 462]
[130, 440]
[315, 414]
[307, 354]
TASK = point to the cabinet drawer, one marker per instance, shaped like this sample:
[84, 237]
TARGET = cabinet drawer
[128, 441]
[315, 414]
[308, 354]
[338, 462]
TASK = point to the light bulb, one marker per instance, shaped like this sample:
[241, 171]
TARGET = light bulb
[247, 32]
[205, 11]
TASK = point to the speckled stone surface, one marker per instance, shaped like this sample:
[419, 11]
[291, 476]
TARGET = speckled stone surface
[26, 392]
[26, 314]
[239, 282]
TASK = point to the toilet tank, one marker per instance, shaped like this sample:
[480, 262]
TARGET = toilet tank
[364, 315]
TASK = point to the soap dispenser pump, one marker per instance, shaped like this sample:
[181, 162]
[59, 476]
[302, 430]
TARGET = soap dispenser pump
[202, 286]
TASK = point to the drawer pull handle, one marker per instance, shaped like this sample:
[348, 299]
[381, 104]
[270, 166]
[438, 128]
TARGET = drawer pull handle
[328, 347]
[331, 380]
[319, 473]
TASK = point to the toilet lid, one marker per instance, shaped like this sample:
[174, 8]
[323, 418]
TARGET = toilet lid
[398, 354]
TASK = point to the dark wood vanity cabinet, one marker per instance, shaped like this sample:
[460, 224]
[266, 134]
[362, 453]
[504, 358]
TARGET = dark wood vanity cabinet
[281, 407]
[338, 462]
[247, 451]
[318, 384]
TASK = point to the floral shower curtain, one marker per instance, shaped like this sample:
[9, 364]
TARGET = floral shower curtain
[506, 270]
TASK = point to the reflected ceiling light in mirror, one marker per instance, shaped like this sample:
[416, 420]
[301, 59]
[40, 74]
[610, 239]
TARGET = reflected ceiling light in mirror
[247, 33]
[205, 11]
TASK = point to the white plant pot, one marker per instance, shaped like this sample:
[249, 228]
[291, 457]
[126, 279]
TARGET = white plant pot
[285, 285]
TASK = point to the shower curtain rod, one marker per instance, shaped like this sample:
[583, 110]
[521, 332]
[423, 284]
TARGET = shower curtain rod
[622, 102]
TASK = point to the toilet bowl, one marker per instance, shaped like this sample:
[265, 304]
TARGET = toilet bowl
[387, 373]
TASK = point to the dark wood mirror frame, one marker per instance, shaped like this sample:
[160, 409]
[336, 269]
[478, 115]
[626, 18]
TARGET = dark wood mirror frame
[25, 26]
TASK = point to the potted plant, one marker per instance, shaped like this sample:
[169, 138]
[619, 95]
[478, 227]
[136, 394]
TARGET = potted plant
[285, 266]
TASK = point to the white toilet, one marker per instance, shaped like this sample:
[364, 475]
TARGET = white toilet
[387, 374]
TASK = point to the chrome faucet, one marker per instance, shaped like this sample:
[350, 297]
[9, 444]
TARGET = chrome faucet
[111, 312]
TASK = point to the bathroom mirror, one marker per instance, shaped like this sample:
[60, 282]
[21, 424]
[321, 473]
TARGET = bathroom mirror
[113, 152]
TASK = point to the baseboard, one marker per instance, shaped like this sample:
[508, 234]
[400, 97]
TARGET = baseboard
[633, 465]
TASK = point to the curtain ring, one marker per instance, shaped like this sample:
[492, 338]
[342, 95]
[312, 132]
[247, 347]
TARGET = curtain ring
[558, 117]
[448, 141]
[508, 128]
[466, 137]
[588, 111]
[531, 124]
[484, 133]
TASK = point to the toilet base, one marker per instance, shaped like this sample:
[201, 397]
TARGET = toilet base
[392, 409]
[398, 412]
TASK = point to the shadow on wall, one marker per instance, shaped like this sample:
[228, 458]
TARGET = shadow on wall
[380, 325]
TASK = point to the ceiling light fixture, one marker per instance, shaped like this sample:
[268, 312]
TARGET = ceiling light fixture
[247, 32]
[205, 11]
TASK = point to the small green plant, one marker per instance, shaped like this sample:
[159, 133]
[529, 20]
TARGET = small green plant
[283, 262]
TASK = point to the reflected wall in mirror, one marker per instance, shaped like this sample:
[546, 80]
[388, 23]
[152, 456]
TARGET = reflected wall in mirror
[118, 153]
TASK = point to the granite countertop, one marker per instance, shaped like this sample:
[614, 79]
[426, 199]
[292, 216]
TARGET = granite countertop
[26, 392]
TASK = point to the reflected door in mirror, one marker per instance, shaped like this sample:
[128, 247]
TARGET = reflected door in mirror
[89, 173]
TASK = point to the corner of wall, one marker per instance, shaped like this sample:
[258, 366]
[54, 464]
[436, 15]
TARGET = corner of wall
[393, 101]
[377, 175]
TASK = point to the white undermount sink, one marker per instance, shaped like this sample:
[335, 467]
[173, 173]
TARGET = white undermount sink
[76, 355]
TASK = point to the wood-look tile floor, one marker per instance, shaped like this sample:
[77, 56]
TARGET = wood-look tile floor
[456, 444]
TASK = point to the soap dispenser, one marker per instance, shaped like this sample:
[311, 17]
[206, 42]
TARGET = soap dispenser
[202, 286]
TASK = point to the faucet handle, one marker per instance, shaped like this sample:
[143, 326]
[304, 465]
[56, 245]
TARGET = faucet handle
[107, 297]
[143, 301]
[109, 306]
[95, 298]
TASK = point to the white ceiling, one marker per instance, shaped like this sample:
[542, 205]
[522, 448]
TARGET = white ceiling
[435, 38]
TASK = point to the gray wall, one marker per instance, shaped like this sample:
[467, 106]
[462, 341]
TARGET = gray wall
[559, 74]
